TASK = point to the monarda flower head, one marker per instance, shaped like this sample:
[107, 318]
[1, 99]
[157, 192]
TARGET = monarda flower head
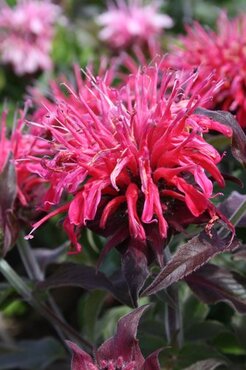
[128, 22]
[26, 33]
[121, 352]
[134, 160]
[21, 187]
[223, 52]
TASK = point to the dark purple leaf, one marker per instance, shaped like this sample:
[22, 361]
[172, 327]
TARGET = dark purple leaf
[124, 343]
[209, 364]
[135, 270]
[231, 204]
[86, 277]
[80, 359]
[214, 284]
[32, 354]
[46, 256]
[8, 222]
[189, 257]
[238, 136]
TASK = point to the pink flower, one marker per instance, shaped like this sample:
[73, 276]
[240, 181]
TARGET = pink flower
[121, 352]
[26, 33]
[127, 22]
[133, 159]
[222, 52]
[21, 187]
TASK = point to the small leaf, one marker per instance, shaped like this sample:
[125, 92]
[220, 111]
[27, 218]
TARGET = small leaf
[32, 354]
[214, 284]
[195, 253]
[86, 277]
[238, 135]
[209, 364]
[46, 256]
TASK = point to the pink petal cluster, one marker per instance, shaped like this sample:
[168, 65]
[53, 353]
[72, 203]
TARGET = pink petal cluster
[26, 33]
[224, 53]
[133, 159]
[121, 352]
[21, 188]
[20, 148]
[127, 22]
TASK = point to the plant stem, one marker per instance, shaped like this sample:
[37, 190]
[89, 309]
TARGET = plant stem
[34, 272]
[173, 319]
[25, 291]
[31, 265]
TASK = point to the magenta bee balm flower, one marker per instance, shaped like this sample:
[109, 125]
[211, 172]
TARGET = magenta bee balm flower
[127, 22]
[223, 52]
[26, 33]
[133, 160]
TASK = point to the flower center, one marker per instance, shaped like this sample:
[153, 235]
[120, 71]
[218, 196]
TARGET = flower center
[119, 364]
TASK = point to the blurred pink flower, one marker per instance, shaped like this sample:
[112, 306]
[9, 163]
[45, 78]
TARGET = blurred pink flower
[26, 33]
[133, 159]
[121, 352]
[222, 52]
[21, 187]
[127, 22]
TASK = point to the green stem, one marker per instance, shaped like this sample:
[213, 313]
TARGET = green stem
[34, 272]
[173, 319]
[25, 291]
[28, 258]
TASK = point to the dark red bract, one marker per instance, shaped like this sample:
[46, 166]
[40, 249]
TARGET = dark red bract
[121, 352]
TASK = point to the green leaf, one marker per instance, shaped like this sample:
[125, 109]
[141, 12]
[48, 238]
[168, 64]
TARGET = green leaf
[15, 308]
[192, 353]
[209, 364]
[31, 354]
[194, 311]
[229, 344]
[203, 331]
[188, 355]
[91, 308]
